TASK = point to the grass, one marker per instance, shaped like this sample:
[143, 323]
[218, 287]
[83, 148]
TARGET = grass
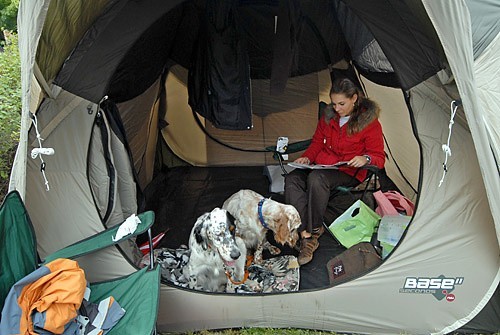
[259, 331]
[266, 331]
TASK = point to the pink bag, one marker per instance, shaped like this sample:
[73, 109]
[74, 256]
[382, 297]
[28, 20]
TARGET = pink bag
[393, 203]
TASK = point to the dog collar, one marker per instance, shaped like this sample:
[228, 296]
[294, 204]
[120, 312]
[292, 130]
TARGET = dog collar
[261, 217]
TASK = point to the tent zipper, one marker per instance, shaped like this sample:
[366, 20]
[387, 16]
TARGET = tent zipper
[101, 124]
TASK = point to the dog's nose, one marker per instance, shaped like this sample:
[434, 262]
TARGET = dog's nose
[235, 254]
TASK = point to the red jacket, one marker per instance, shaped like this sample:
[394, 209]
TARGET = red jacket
[331, 143]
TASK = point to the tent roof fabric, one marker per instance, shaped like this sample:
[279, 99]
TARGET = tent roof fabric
[121, 60]
[403, 24]
[59, 37]
[99, 53]
[485, 23]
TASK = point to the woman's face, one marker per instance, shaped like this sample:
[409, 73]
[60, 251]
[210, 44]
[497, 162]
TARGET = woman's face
[342, 104]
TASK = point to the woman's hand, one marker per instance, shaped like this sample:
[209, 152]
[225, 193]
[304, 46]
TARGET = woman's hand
[302, 160]
[358, 161]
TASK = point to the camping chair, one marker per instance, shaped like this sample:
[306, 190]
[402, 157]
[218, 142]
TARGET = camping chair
[345, 195]
[371, 180]
[137, 293]
[370, 184]
[290, 149]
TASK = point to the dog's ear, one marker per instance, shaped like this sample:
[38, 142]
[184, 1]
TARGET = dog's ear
[199, 237]
[281, 231]
[230, 218]
[293, 223]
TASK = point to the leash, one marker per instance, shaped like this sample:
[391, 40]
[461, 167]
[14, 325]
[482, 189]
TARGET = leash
[261, 217]
[245, 276]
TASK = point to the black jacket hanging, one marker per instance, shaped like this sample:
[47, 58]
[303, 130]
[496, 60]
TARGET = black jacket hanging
[219, 76]
[286, 44]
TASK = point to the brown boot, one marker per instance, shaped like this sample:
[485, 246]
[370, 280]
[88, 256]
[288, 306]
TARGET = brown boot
[307, 248]
[317, 232]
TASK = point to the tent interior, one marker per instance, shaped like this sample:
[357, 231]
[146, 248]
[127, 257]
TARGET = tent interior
[187, 163]
[186, 186]
[131, 84]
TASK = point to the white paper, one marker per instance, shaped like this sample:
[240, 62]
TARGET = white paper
[317, 166]
[126, 228]
[392, 227]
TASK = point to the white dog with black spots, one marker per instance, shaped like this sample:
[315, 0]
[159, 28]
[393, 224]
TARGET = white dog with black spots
[216, 254]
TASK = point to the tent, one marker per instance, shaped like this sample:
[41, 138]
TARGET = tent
[109, 85]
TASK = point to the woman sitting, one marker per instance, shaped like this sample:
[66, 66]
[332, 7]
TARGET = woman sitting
[349, 131]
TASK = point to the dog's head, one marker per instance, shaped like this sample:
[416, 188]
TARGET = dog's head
[217, 232]
[286, 221]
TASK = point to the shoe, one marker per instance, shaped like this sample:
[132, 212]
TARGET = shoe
[317, 232]
[307, 248]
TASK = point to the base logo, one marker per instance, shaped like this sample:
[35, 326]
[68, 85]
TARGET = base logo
[440, 287]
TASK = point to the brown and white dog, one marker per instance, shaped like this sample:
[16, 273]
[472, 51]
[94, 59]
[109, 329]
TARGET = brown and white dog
[255, 215]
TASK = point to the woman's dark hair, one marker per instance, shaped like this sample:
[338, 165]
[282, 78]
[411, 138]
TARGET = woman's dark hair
[345, 86]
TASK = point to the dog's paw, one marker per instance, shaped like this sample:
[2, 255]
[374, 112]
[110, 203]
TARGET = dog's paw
[257, 255]
[192, 282]
[230, 287]
[257, 259]
[274, 250]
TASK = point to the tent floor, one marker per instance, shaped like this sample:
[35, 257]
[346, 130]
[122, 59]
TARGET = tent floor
[178, 196]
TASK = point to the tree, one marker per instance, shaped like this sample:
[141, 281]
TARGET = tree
[8, 14]
[10, 106]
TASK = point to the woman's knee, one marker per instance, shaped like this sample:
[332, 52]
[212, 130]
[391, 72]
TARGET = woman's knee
[317, 179]
[294, 180]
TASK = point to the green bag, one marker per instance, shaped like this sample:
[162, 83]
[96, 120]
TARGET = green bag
[356, 224]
